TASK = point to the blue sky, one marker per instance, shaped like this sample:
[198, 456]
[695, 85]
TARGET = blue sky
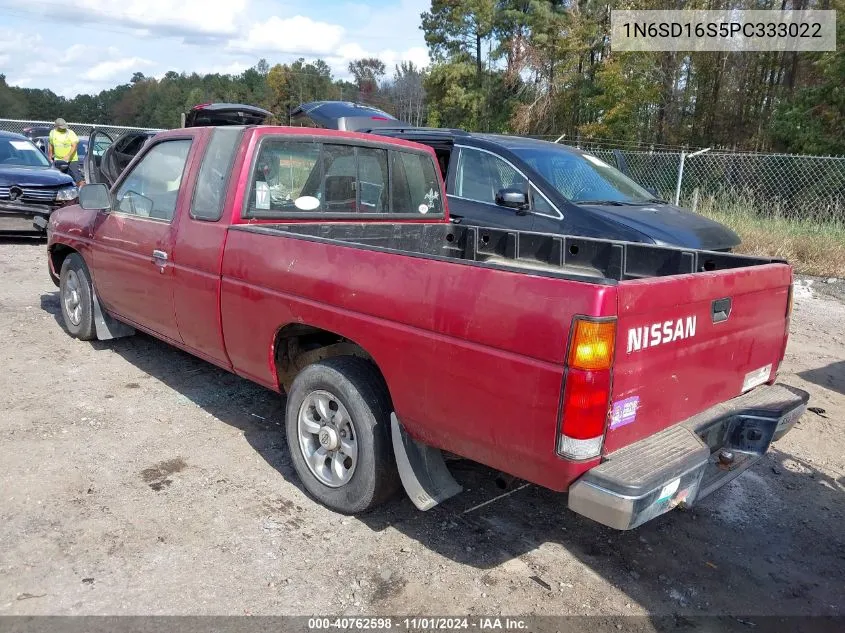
[84, 46]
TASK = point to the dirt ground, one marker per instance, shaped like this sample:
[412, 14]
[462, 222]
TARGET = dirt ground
[137, 479]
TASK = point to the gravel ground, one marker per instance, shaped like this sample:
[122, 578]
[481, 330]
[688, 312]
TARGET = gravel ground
[137, 479]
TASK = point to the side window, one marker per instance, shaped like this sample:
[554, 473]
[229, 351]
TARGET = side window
[210, 190]
[339, 179]
[481, 176]
[415, 186]
[540, 205]
[152, 187]
[286, 178]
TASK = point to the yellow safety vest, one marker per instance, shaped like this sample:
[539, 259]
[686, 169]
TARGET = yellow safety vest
[62, 142]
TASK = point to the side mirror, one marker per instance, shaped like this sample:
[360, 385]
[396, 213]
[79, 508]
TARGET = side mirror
[652, 191]
[513, 199]
[61, 165]
[95, 197]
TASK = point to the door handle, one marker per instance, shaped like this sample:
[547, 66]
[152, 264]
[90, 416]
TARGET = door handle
[160, 260]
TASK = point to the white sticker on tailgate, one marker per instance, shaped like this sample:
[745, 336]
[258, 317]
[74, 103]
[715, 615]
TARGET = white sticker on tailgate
[756, 377]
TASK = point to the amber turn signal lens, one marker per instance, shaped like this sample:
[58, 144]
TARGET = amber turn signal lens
[592, 345]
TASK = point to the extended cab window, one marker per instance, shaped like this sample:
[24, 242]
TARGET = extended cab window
[152, 187]
[415, 186]
[340, 179]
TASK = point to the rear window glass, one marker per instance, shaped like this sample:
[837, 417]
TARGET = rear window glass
[415, 185]
[295, 177]
[210, 190]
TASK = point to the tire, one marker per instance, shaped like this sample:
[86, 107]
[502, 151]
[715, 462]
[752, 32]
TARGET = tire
[342, 387]
[76, 298]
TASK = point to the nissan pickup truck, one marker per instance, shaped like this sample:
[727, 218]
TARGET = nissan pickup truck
[322, 265]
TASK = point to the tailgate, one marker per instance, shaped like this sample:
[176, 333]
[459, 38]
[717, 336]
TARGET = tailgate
[687, 342]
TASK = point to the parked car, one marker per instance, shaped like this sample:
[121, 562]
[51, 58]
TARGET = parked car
[323, 264]
[81, 149]
[35, 131]
[115, 153]
[525, 184]
[30, 188]
[343, 115]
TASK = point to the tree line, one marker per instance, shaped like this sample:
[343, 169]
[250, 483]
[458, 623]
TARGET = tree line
[537, 67]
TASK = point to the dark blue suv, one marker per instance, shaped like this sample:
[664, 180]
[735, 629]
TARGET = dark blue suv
[30, 188]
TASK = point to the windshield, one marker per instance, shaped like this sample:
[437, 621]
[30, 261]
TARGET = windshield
[583, 178]
[22, 153]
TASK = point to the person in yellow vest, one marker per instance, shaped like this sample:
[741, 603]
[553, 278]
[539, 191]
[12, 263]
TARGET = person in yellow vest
[61, 145]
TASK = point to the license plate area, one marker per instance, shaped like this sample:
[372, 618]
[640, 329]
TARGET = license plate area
[735, 443]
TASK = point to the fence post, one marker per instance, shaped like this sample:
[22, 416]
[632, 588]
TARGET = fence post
[681, 172]
[680, 178]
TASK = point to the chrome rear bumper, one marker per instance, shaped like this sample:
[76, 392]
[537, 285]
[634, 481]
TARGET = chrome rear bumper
[688, 461]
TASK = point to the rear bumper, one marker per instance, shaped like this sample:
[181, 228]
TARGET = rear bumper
[688, 461]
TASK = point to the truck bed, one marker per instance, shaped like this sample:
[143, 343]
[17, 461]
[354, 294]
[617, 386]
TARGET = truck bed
[568, 257]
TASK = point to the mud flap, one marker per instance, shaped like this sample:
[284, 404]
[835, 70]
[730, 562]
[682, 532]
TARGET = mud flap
[105, 325]
[422, 469]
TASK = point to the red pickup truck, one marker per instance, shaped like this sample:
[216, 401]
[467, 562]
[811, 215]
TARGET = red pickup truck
[323, 265]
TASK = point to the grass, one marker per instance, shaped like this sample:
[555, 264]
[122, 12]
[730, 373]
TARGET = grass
[813, 247]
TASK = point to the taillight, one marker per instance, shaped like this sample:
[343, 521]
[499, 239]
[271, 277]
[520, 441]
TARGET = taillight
[586, 394]
[592, 344]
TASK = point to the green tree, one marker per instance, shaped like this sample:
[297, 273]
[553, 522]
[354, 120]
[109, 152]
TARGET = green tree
[367, 72]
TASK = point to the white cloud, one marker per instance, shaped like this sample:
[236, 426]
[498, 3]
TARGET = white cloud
[418, 55]
[108, 40]
[296, 35]
[114, 68]
[232, 68]
[198, 16]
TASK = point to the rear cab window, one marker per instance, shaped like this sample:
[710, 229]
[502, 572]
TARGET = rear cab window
[340, 178]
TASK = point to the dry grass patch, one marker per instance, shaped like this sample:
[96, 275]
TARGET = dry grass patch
[813, 248]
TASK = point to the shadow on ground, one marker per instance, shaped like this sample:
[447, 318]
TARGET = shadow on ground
[831, 376]
[761, 545]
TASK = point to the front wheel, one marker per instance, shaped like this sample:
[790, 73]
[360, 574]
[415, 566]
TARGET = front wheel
[338, 433]
[76, 298]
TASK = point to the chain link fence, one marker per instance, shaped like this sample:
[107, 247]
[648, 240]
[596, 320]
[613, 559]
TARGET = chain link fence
[770, 185]
[788, 186]
[19, 126]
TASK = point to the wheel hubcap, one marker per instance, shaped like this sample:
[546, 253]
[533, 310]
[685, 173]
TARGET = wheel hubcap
[327, 438]
[72, 299]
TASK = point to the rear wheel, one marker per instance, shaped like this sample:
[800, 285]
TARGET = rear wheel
[76, 298]
[338, 432]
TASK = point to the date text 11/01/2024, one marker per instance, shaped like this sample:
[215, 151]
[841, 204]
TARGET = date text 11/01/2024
[418, 624]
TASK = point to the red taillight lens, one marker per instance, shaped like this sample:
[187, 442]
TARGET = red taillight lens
[585, 404]
[586, 393]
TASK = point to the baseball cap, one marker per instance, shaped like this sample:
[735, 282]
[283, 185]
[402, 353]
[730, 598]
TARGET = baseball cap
[61, 123]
